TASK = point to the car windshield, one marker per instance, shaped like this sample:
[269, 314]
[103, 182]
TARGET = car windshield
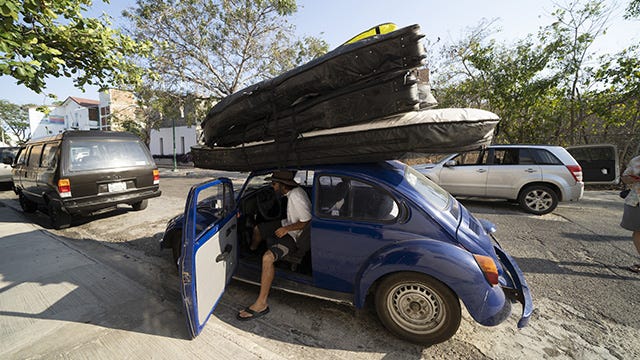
[106, 154]
[433, 193]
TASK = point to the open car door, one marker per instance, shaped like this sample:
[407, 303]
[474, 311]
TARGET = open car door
[209, 249]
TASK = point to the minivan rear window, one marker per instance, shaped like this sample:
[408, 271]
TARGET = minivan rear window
[105, 154]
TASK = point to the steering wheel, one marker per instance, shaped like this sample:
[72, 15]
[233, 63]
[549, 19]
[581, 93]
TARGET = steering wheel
[268, 204]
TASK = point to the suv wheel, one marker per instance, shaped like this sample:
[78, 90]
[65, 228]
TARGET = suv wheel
[140, 205]
[27, 205]
[538, 199]
[59, 218]
[418, 308]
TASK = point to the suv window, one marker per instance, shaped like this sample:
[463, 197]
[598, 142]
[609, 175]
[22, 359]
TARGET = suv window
[545, 157]
[49, 156]
[513, 156]
[350, 198]
[106, 154]
[34, 156]
[476, 157]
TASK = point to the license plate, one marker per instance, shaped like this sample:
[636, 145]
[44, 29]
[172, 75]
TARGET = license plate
[117, 186]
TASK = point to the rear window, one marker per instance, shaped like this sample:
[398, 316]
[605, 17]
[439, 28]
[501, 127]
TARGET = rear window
[433, 193]
[106, 154]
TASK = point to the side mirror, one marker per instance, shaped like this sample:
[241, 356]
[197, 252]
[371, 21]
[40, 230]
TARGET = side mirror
[450, 163]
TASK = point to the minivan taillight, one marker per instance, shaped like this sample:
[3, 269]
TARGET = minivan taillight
[64, 187]
[156, 177]
[576, 171]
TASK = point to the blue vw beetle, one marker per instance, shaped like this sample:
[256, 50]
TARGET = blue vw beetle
[379, 230]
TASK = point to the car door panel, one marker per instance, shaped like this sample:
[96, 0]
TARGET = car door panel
[468, 177]
[209, 257]
[510, 170]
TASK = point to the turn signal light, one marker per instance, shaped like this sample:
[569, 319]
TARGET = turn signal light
[488, 267]
[64, 187]
[156, 177]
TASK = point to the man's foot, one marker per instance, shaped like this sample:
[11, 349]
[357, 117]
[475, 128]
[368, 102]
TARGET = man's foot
[635, 268]
[248, 314]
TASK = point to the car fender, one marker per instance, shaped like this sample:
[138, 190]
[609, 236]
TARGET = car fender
[448, 263]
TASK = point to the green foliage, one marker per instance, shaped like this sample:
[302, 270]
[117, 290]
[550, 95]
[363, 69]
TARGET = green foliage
[228, 45]
[52, 38]
[14, 119]
[633, 10]
[544, 87]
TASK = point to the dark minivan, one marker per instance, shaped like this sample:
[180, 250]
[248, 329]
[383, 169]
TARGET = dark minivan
[82, 172]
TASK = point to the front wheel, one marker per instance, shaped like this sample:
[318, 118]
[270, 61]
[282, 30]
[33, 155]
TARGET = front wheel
[418, 308]
[538, 199]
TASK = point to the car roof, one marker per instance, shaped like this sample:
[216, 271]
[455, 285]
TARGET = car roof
[86, 134]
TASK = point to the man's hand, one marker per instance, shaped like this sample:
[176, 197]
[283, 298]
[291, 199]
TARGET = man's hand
[281, 231]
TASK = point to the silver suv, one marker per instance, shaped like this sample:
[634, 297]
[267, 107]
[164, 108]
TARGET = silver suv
[537, 176]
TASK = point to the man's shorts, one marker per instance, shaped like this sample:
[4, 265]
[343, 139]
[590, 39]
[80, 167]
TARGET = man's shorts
[280, 247]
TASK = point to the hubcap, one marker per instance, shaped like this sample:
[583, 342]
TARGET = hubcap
[416, 308]
[538, 200]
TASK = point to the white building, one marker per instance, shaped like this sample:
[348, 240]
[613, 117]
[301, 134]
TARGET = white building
[73, 113]
[161, 141]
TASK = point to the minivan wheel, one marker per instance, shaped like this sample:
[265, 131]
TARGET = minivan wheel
[27, 205]
[418, 308]
[538, 199]
[59, 218]
[140, 205]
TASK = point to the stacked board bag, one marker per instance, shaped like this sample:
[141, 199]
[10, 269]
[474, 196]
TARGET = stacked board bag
[361, 102]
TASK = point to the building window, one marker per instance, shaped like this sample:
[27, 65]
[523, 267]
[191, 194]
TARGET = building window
[161, 146]
[182, 144]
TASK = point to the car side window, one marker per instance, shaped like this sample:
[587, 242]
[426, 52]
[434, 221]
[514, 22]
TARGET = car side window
[525, 157]
[544, 157]
[506, 156]
[341, 197]
[34, 156]
[475, 157]
[49, 156]
[22, 156]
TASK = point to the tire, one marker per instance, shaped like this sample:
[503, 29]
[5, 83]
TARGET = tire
[140, 205]
[27, 205]
[59, 219]
[538, 199]
[418, 308]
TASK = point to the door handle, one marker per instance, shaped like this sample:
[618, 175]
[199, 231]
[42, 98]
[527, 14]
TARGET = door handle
[530, 170]
[225, 254]
[481, 170]
[230, 229]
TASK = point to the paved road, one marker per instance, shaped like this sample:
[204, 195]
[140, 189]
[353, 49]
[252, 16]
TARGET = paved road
[102, 289]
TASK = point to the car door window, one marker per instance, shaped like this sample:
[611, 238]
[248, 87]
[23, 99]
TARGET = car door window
[470, 158]
[22, 156]
[349, 198]
[49, 156]
[34, 156]
[544, 157]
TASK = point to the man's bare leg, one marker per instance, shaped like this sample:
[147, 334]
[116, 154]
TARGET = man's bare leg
[268, 273]
[256, 238]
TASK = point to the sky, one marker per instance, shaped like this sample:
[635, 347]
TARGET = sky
[338, 20]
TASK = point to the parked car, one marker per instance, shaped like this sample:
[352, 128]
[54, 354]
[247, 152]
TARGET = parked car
[537, 176]
[81, 172]
[397, 238]
[7, 155]
[599, 162]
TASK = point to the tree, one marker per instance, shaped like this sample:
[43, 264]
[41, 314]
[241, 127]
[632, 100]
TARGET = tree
[14, 119]
[230, 44]
[52, 38]
[633, 10]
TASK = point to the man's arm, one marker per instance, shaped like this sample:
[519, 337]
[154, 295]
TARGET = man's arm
[282, 231]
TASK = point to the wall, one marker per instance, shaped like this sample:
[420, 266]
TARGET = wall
[162, 140]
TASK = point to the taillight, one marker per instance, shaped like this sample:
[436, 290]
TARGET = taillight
[156, 177]
[64, 187]
[488, 267]
[576, 171]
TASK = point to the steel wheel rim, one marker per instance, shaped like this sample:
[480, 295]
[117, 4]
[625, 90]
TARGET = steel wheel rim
[538, 200]
[416, 308]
